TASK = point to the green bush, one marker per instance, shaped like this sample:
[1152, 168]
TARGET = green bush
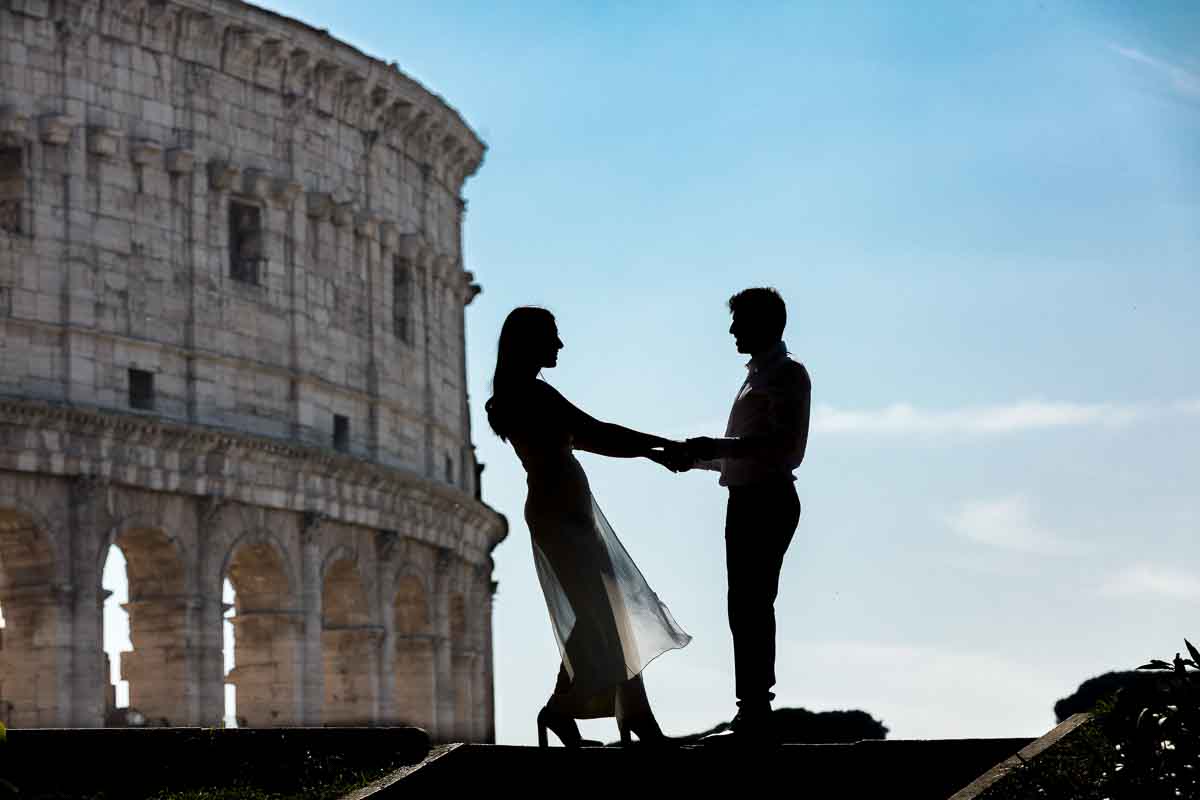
[1157, 733]
[1141, 744]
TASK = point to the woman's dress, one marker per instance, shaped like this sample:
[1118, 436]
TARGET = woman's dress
[608, 622]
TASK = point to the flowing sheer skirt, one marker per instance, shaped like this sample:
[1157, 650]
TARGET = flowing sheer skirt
[608, 622]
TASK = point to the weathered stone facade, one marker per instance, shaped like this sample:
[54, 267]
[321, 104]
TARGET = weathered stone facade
[232, 344]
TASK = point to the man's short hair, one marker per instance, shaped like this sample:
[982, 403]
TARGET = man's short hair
[764, 305]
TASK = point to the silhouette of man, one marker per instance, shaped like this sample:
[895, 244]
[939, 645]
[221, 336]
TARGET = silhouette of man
[764, 441]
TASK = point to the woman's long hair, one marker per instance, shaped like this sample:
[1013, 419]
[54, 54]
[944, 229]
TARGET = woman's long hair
[522, 338]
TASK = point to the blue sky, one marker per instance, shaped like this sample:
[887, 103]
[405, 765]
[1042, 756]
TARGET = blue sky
[985, 218]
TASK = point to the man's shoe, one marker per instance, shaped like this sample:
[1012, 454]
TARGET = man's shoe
[755, 727]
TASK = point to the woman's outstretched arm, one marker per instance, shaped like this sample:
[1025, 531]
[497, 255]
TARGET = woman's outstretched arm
[604, 438]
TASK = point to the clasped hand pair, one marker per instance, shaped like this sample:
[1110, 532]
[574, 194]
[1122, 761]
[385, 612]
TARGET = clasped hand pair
[682, 456]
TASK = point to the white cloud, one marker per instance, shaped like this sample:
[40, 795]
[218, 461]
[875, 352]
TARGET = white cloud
[1189, 406]
[1154, 580]
[1008, 523]
[1182, 80]
[902, 418]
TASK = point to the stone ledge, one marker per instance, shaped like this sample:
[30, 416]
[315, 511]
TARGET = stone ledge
[206, 461]
[1034, 749]
[899, 768]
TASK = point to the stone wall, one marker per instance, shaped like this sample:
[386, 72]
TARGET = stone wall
[363, 592]
[132, 134]
[231, 334]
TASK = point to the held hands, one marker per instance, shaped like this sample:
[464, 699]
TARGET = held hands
[682, 456]
[702, 448]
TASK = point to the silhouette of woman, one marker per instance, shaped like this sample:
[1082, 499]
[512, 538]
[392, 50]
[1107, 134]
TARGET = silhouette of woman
[607, 620]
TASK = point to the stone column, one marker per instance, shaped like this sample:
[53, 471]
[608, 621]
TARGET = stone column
[188, 211]
[76, 206]
[425, 282]
[267, 681]
[487, 676]
[464, 699]
[444, 723]
[385, 675]
[37, 657]
[386, 682]
[350, 655]
[312, 677]
[81, 639]
[206, 612]
[158, 667]
[205, 656]
[468, 475]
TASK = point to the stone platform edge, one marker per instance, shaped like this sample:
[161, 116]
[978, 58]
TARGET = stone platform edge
[997, 773]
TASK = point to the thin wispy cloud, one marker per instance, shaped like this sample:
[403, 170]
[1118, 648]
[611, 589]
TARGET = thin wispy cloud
[1182, 80]
[1154, 580]
[905, 419]
[902, 418]
[1008, 523]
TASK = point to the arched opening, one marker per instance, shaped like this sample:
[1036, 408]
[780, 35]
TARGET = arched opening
[33, 654]
[115, 583]
[348, 646]
[228, 659]
[413, 692]
[155, 665]
[266, 638]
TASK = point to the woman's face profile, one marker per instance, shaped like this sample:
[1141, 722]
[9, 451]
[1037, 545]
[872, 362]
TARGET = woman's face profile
[550, 345]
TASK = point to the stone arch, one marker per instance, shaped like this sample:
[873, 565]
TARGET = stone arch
[157, 572]
[148, 521]
[34, 660]
[268, 631]
[335, 554]
[414, 667]
[266, 548]
[411, 607]
[349, 643]
[45, 523]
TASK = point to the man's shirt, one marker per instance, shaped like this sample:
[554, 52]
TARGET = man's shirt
[773, 402]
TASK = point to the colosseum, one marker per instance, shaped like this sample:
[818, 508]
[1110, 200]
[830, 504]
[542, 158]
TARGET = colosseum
[232, 305]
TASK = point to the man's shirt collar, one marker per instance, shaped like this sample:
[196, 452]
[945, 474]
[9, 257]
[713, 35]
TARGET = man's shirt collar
[767, 357]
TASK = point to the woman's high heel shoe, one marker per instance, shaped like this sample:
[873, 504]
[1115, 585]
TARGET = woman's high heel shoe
[564, 727]
[647, 730]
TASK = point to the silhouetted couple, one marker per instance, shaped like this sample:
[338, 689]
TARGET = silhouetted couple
[608, 622]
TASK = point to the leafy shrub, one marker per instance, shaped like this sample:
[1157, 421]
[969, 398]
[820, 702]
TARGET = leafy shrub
[1101, 690]
[1156, 731]
[1144, 744]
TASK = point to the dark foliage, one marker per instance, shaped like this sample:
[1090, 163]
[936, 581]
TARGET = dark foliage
[801, 726]
[1142, 744]
[1157, 729]
[1095, 690]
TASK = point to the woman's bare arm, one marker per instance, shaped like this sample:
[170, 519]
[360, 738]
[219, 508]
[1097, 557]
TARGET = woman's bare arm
[603, 438]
